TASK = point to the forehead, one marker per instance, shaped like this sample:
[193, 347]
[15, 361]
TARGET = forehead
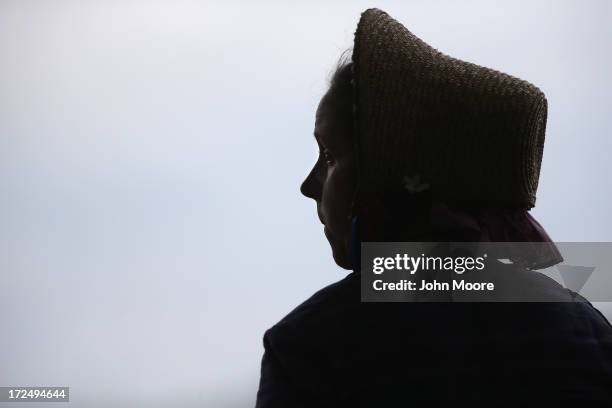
[333, 123]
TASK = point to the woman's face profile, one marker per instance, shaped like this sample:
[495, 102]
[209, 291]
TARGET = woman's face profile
[332, 180]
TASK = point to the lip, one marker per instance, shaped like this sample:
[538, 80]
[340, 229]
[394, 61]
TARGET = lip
[327, 234]
[320, 217]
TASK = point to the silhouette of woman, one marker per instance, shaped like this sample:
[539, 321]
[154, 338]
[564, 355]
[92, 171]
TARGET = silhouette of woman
[418, 146]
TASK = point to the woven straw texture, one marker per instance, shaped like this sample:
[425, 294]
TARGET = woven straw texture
[471, 132]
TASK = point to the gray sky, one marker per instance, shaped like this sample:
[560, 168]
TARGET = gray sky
[151, 157]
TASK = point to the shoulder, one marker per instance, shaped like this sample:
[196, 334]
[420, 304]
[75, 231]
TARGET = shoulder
[318, 329]
[307, 348]
[325, 309]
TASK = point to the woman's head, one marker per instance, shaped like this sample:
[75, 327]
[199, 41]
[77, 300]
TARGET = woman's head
[394, 213]
[400, 112]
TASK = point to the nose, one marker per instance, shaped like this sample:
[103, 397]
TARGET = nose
[311, 186]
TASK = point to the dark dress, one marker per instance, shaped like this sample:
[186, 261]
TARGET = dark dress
[335, 351]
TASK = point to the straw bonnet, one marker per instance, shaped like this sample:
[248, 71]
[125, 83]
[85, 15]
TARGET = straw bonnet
[472, 133]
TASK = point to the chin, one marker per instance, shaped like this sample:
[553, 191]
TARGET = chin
[339, 251]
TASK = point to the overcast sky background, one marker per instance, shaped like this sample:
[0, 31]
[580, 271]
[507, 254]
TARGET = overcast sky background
[151, 154]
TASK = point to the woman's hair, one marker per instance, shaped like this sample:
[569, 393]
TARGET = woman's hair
[341, 82]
